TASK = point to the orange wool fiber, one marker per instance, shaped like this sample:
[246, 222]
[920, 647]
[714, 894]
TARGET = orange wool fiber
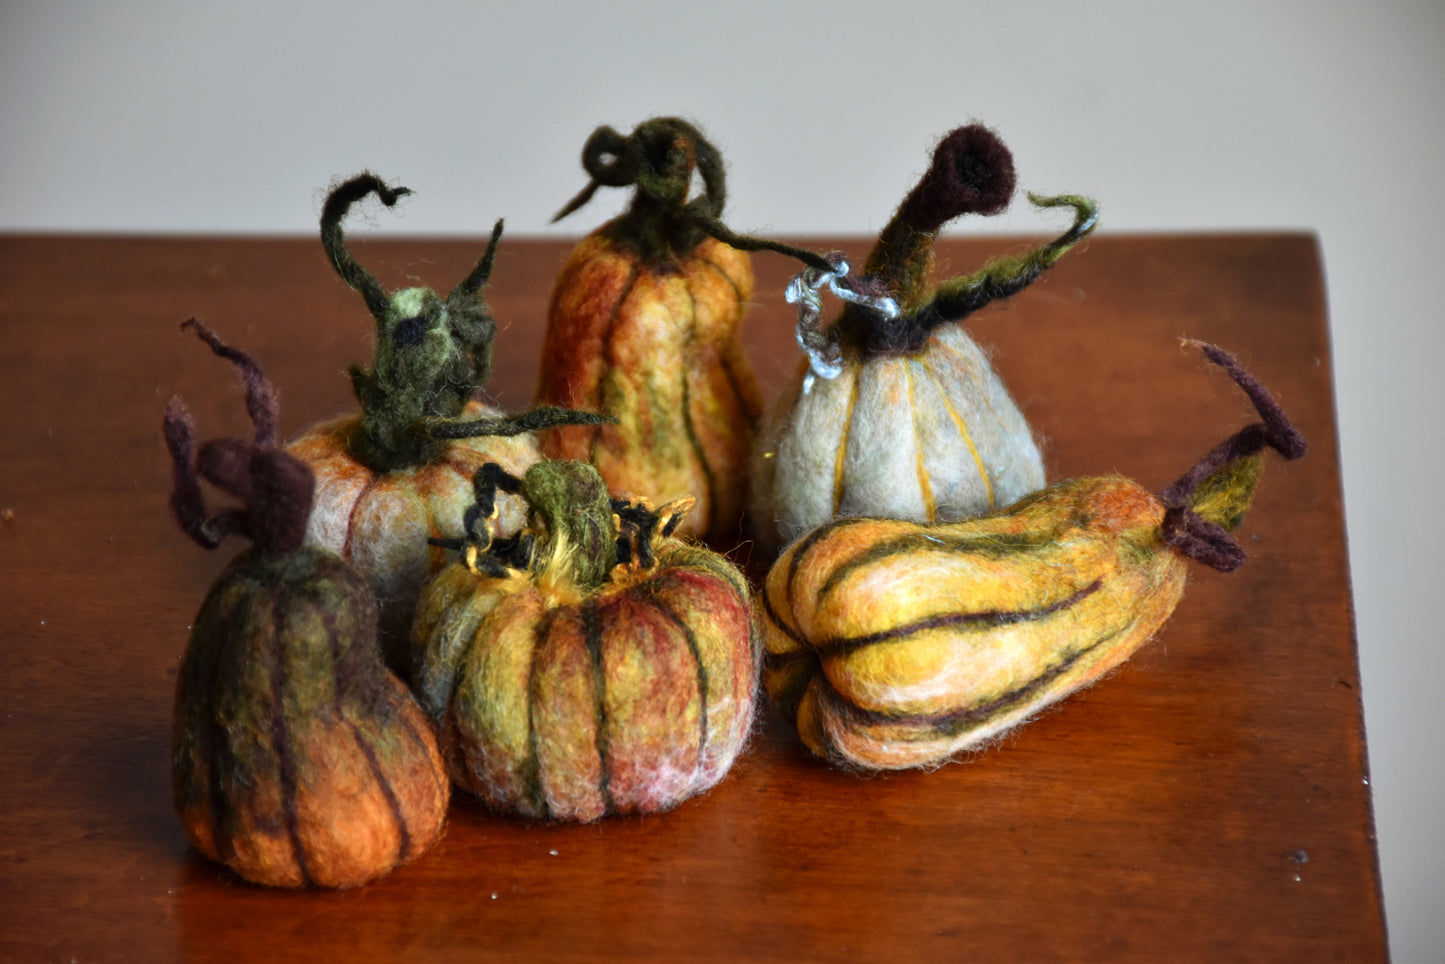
[298, 759]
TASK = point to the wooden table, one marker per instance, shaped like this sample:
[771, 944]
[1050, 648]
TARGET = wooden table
[1208, 801]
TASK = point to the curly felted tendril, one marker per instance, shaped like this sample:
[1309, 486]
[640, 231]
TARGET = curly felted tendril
[971, 172]
[431, 354]
[275, 488]
[659, 158]
[1206, 540]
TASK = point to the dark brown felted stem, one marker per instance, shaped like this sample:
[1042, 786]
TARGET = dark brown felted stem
[275, 488]
[659, 158]
[972, 172]
[338, 203]
[430, 355]
[1203, 539]
[956, 299]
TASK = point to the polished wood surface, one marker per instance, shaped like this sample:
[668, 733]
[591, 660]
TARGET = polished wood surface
[1208, 801]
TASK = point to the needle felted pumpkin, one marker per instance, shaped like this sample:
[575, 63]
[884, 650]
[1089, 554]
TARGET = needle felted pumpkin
[399, 471]
[644, 324]
[897, 644]
[591, 665]
[298, 759]
[897, 412]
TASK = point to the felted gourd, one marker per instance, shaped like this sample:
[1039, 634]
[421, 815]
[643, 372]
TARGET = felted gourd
[897, 412]
[400, 470]
[644, 324]
[298, 759]
[896, 644]
[591, 665]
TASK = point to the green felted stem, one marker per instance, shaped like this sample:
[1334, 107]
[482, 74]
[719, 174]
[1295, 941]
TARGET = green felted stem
[572, 503]
[971, 172]
[1225, 496]
[1010, 274]
[431, 355]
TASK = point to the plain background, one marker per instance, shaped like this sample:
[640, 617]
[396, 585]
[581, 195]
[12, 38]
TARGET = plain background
[171, 116]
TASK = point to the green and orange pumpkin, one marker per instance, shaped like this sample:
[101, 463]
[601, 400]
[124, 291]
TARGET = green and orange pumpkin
[593, 665]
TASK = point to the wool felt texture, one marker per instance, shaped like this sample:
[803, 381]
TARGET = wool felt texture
[644, 324]
[298, 760]
[569, 689]
[400, 471]
[894, 644]
[897, 412]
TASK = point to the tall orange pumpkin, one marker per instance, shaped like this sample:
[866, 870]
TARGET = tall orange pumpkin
[644, 325]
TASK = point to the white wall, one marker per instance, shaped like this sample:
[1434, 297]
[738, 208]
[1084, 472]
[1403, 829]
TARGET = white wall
[171, 116]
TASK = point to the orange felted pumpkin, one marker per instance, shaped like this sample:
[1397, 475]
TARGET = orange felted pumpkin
[298, 759]
[644, 325]
[399, 471]
[897, 413]
[591, 666]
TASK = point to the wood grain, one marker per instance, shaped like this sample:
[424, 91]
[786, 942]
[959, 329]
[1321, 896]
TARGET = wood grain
[1208, 801]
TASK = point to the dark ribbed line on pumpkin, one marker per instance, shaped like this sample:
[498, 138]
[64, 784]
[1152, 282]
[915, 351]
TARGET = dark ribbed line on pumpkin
[709, 478]
[990, 546]
[983, 620]
[371, 483]
[532, 766]
[221, 759]
[279, 737]
[608, 353]
[420, 741]
[340, 682]
[808, 542]
[840, 482]
[953, 722]
[702, 679]
[774, 619]
[737, 292]
[592, 625]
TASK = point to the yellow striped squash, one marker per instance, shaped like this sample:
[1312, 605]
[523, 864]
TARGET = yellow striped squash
[893, 643]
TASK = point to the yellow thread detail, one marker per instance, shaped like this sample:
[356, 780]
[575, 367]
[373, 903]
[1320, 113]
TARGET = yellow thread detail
[930, 507]
[842, 458]
[963, 431]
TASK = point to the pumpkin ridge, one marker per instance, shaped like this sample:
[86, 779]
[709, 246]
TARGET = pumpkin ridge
[951, 723]
[786, 630]
[387, 791]
[995, 546]
[840, 461]
[607, 337]
[709, 478]
[532, 766]
[963, 429]
[983, 392]
[442, 781]
[223, 815]
[339, 684]
[987, 619]
[371, 483]
[802, 547]
[702, 677]
[280, 740]
[592, 634]
[925, 485]
[709, 262]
